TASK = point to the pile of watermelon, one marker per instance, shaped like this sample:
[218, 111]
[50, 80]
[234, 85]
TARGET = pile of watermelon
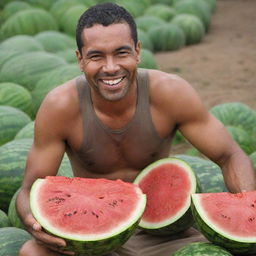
[37, 53]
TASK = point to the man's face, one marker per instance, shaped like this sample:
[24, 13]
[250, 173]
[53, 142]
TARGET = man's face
[109, 59]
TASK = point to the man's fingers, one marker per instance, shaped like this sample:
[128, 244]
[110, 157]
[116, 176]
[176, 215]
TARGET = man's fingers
[49, 240]
[36, 226]
[55, 248]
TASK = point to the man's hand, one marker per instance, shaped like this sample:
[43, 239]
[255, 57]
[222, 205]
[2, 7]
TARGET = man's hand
[44, 239]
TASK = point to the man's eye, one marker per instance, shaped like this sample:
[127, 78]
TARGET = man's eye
[123, 53]
[95, 57]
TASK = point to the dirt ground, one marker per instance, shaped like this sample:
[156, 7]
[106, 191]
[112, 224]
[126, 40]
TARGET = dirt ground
[222, 68]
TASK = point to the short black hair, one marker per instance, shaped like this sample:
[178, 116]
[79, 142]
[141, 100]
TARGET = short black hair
[104, 14]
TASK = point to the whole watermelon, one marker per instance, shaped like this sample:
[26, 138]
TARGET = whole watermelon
[208, 173]
[161, 11]
[28, 22]
[27, 68]
[11, 240]
[27, 132]
[195, 7]
[11, 121]
[236, 114]
[202, 249]
[54, 41]
[4, 220]
[13, 7]
[146, 22]
[51, 80]
[168, 37]
[147, 59]
[69, 19]
[16, 96]
[192, 27]
[13, 156]
[21, 43]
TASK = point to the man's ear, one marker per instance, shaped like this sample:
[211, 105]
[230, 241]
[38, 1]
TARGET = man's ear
[80, 60]
[137, 49]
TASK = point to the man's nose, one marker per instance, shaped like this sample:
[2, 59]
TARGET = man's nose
[110, 65]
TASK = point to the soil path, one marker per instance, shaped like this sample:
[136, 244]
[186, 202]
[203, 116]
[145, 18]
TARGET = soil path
[222, 68]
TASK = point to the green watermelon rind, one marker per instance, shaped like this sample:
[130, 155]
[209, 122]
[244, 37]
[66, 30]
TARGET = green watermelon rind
[201, 249]
[92, 245]
[183, 219]
[236, 245]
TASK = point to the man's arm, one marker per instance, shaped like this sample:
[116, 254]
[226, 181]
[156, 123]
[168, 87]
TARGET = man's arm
[210, 137]
[43, 160]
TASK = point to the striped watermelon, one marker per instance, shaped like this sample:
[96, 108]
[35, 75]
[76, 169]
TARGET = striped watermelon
[192, 27]
[59, 7]
[69, 19]
[208, 173]
[68, 55]
[15, 96]
[161, 11]
[13, 157]
[27, 68]
[28, 22]
[236, 114]
[51, 80]
[147, 59]
[134, 7]
[168, 37]
[201, 249]
[253, 158]
[147, 22]
[11, 240]
[145, 41]
[54, 41]
[195, 7]
[7, 55]
[4, 220]
[12, 213]
[22, 43]
[11, 121]
[13, 7]
[27, 132]
[243, 138]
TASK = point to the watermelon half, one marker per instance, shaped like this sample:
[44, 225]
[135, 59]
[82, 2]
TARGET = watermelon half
[94, 216]
[168, 184]
[228, 220]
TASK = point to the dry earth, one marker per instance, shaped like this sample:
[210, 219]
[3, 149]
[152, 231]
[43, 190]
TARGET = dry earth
[222, 68]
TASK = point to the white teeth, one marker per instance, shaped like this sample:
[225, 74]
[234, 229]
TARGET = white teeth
[112, 82]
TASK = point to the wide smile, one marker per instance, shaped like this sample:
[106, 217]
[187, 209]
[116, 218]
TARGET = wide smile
[112, 83]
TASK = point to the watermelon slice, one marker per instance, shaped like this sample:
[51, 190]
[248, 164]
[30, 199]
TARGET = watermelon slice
[228, 220]
[168, 184]
[94, 216]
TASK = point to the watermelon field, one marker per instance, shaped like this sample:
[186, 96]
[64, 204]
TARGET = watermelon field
[210, 43]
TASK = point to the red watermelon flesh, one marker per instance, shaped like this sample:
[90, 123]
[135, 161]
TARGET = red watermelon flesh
[230, 214]
[82, 208]
[173, 188]
[168, 184]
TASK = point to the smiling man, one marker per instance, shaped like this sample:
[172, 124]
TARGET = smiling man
[116, 119]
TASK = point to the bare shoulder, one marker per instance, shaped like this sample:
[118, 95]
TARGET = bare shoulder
[173, 95]
[59, 108]
[62, 99]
